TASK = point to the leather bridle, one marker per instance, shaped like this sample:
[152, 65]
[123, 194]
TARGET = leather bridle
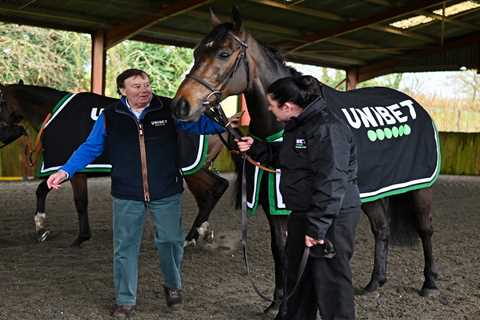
[216, 90]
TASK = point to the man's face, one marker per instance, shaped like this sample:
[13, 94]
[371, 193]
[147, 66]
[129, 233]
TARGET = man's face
[138, 91]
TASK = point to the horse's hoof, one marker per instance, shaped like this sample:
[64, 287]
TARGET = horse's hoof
[209, 236]
[374, 285]
[190, 243]
[429, 292]
[42, 235]
[77, 243]
[272, 309]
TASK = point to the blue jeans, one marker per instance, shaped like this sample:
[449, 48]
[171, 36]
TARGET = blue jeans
[128, 222]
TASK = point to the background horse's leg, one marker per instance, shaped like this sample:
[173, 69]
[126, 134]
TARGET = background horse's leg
[278, 237]
[422, 203]
[40, 217]
[207, 188]
[80, 195]
[380, 226]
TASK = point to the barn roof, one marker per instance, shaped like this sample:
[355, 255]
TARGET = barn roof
[372, 37]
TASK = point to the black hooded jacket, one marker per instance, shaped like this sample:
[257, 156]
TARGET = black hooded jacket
[318, 162]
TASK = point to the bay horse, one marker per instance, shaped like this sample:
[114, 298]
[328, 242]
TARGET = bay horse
[229, 61]
[33, 103]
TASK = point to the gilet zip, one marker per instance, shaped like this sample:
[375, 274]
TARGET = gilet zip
[143, 160]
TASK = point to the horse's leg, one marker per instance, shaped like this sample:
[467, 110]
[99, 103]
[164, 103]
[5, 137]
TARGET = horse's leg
[40, 217]
[278, 237]
[80, 195]
[379, 224]
[207, 188]
[422, 204]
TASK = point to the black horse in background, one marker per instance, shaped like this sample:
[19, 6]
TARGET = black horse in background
[32, 104]
[229, 61]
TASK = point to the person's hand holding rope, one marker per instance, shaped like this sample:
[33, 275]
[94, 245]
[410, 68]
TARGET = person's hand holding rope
[244, 143]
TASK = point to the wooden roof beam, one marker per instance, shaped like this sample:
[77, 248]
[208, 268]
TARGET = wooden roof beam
[353, 26]
[30, 14]
[384, 3]
[373, 70]
[450, 20]
[290, 34]
[403, 33]
[306, 11]
[329, 58]
[359, 50]
[334, 17]
[125, 31]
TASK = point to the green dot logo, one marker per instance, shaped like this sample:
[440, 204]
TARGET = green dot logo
[388, 133]
[380, 134]
[395, 132]
[372, 136]
[407, 130]
[401, 130]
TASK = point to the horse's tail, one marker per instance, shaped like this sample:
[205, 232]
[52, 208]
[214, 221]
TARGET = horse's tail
[402, 220]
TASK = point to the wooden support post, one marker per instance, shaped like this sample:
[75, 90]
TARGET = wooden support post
[352, 78]
[99, 53]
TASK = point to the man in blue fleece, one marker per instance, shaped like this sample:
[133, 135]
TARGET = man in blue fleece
[139, 134]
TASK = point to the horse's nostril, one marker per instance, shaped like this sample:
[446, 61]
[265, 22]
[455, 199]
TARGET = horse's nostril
[180, 108]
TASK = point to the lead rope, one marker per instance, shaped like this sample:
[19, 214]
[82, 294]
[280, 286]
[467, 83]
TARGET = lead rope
[31, 154]
[244, 237]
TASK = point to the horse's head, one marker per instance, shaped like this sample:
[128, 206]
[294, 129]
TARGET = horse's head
[9, 114]
[9, 119]
[221, 69]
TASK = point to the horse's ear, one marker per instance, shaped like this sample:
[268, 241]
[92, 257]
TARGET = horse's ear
[214, 19]
[20, 82]
[237, 19]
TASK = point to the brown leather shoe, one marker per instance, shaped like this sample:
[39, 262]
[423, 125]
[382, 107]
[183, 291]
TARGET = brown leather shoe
[173, 296]
[123, 311]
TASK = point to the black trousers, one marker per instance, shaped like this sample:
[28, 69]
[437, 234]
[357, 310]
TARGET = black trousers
[326, 285]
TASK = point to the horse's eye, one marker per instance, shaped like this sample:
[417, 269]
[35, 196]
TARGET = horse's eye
[224, 54]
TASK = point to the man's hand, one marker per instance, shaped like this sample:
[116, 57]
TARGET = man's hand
[244, 143]
[56, 179]
[310, 242]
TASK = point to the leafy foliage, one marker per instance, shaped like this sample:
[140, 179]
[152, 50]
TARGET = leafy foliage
[61, 60]
[165, 64]
[44, 57]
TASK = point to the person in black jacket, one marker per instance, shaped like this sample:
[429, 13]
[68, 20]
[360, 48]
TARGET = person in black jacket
[318, 164]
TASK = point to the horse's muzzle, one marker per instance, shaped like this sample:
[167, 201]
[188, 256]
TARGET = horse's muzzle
[180, 108]
[10, 133]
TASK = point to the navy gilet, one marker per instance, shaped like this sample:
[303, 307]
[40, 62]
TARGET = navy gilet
[122, 142]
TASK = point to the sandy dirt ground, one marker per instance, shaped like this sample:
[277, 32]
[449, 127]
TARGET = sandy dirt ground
[53, 281]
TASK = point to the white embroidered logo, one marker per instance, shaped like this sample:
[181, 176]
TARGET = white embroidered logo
[300, 144]
[159, 123]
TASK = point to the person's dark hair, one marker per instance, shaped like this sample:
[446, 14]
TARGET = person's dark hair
[127, 74]
[301, 90]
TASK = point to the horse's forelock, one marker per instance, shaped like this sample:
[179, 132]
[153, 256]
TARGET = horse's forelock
[217, 35]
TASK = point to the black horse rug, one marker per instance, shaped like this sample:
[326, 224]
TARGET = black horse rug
[72, 119]
[397, 142]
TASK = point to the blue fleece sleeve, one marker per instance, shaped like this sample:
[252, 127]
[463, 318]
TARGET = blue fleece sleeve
[204, 125]
[88, 151]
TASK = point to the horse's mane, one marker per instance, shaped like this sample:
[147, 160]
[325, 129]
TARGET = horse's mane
[33, 94]
[278, 56]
